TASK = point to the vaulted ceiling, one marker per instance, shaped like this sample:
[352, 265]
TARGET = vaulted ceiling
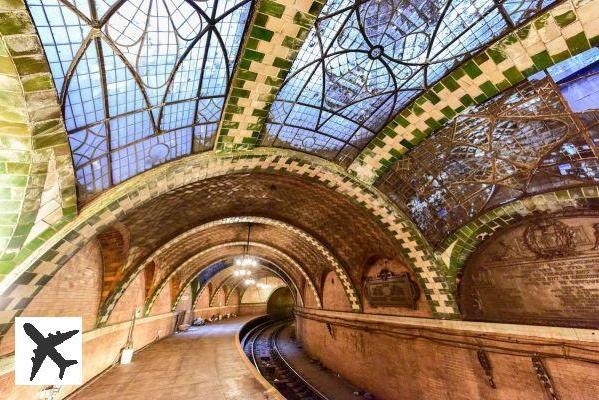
[147, 81]
[344, 130]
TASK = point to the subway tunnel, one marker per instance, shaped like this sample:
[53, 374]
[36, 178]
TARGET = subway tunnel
[311, 199]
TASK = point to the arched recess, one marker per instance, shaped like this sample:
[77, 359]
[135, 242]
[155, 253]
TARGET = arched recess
[233, 281]
[218, 277]
[456, 249]
[120, 201]
[218, 297]
[246, 290]
[237, 282]
[37, 174]
[180, 240]
[217, 254]
[114, 246]
[230, 296]
[331, 290]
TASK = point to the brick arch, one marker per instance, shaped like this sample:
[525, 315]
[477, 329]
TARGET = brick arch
[180, 241]
[208, 286]
[456, 249]
[114, 247]
[36, 161]
[568, 28]
[120, 201]
[228, 299]
[230, 281]
[237, 248]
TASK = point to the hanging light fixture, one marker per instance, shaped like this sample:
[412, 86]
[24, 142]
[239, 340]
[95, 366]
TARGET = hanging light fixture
[245, 260]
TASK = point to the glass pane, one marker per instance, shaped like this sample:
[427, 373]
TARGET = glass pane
[156, 71]
[364, 61]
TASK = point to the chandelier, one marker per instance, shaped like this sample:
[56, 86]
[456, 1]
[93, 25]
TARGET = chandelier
[245, 260]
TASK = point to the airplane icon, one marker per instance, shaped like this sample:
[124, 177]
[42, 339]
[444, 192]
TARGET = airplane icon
[46, 348]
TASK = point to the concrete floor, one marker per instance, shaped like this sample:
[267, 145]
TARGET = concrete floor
[202, 363]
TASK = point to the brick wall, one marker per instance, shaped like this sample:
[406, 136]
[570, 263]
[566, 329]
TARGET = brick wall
[73, 292]
[418, 368]
[163, 301]
[333, 294]
[129, 301]
[206, 313]
[203, 301]
[252, 309]
[185, 305]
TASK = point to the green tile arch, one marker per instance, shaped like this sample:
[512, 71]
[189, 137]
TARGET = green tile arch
[35, 162]
[456, 249]
[112, 299]
[196, 269]
[231, 279]
[285, 256]
[28, 277]
[567, 29]
[277, 31]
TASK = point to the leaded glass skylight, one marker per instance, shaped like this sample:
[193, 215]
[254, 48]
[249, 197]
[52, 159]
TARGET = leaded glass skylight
[366, 60]
[141, 82]
[523, 142]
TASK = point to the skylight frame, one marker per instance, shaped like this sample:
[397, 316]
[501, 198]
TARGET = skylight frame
[280, 126]
[224, 27]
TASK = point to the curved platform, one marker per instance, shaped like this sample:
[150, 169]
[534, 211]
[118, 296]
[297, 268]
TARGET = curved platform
[202, 363]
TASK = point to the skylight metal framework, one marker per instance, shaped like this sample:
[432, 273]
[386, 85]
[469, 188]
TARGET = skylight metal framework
[141, 82]
[523, 142]
[366, 60]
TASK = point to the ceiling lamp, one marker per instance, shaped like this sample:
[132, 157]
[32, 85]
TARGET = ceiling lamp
[245, 260]
[263, 285]
[249, 281]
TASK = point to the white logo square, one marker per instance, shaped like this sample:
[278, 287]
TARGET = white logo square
[48, 351]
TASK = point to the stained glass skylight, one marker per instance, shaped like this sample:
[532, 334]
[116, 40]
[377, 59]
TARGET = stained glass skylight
[366, 60]
[141, 82]
[525, 141]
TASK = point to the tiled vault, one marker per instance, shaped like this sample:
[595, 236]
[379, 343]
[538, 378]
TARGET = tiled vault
[334, 201]
[317, 215]
[281, 238]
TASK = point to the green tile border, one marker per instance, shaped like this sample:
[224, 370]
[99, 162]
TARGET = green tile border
[565, 30]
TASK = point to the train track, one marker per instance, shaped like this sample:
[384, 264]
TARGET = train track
[260, 346]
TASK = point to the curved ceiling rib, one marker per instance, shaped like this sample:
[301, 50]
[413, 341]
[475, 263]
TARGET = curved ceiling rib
[140, 82]
[180, 240]
[525, 141]
[233, 282]
[190, 270]
[264, 267]
[364, 61]
[191, 265]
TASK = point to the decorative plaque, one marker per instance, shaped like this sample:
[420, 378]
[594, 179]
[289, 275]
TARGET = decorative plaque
[389, 290]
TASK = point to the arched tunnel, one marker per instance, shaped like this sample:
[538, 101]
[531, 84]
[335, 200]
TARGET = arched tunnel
[315, 199]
